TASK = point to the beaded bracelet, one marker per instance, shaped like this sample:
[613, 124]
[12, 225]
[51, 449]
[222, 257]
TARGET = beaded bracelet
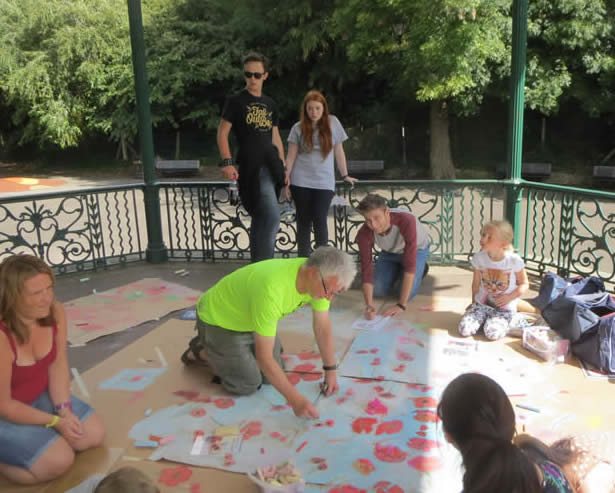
[62, 405]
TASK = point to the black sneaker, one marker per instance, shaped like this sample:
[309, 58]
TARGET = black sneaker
[426, 271]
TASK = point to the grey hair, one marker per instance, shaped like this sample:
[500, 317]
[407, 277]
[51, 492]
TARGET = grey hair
[333, 262]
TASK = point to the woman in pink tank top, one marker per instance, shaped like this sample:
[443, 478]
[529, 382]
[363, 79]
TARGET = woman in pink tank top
[41, 424]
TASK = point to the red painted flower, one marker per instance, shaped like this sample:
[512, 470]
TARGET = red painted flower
[425, 464]
[363, 425]
[362, 351]
[426, 416]
[379, 388]
[400, 368]
[311, 377]
[252, 429]
[363, 380]
[387, 487]
[422, 444]
[389, 453]
[419, 386]
[136, 378]
[186, 394]
[425, 402]
[389, 427]
[305, 355]
[387, 395]
[195, 488]
[364, 466]
[404, 356]
[346, 488]
[317, 460]
[322, 466]
[224, 403]
[175, 475]
[305, 367]
[293, 378]
[205, 400]
[197, 412]
[229, 460]
[374, 351]
[376, 407]
[375, 362]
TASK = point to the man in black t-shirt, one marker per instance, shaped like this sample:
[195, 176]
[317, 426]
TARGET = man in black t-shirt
[253, 117]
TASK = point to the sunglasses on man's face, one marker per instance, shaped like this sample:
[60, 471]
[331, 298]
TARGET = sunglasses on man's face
[256, 75]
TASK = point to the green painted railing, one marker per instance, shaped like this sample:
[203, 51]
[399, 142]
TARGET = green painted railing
[563, 229]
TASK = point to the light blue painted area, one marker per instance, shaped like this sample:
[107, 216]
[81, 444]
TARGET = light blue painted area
[132, 379]
[399, 352]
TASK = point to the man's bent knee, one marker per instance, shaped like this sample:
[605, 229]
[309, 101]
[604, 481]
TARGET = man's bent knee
[242, 387]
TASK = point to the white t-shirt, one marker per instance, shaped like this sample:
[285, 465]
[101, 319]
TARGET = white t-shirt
[310, 170]
[496, 278]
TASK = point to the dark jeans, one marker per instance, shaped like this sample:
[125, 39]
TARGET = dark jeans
[265, 220]
[312, 207]
[389, 269]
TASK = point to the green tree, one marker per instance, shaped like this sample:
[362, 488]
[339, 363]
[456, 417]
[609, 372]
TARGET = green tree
[56, 64]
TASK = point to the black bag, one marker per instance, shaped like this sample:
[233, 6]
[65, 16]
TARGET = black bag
[578, 308]
[597, 346]
[551, 287]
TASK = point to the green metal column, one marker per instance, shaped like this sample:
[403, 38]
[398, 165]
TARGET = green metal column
[156, 251]
[515, 115]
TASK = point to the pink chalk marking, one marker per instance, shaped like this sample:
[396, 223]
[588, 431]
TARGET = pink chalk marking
[301, 447]
[135, 396]
[166, 440]
[82, 325]
[427, 308]
[262, 450]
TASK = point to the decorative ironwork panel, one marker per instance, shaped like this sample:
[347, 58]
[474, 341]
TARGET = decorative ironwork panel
[74, 230]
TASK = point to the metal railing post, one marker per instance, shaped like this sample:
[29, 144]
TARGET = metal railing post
[156, 251]
[515, 116]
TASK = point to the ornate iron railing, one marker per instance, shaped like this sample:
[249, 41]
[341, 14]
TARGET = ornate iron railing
[564, 229]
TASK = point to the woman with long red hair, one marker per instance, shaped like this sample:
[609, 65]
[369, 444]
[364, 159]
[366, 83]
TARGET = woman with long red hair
[314, 143]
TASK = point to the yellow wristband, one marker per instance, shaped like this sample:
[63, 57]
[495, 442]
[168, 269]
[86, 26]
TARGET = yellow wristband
[53, 422]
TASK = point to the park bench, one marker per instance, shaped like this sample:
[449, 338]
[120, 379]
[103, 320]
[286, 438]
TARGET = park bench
[181, 167]
[603, 175]
[364, 167]
[529, 171]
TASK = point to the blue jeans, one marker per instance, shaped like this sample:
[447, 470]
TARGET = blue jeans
[389, 269]
[265, 220]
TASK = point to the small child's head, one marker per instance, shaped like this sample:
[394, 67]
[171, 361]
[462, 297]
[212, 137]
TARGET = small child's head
[127, 480]
[479, 420]
[499, 233]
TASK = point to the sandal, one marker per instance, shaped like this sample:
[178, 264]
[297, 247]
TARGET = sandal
[194, 347]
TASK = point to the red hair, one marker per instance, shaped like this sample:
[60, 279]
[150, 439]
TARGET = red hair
[324, 127]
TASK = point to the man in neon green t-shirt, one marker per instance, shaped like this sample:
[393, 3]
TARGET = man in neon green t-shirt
[237, 321]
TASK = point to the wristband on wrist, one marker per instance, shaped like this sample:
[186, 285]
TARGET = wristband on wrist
[63, 405]
[329, 367]
[53, 422]
[226, 162]
[401, 306]
[344, 177]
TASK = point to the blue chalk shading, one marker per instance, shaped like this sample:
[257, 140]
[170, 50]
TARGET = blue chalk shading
[146, 444]
[123, 379]
[188, 315]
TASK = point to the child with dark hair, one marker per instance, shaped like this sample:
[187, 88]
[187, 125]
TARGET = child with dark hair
[479, 420]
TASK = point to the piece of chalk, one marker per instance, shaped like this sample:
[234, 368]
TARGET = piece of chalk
[148, 412]
[146, 444]
[179, 271]
[529, 408]
[130, 458]
[84, 279]
[184, 274]
[166, 440]
[93, 291]
[80, 383]
[197, 446]
[163, 361]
